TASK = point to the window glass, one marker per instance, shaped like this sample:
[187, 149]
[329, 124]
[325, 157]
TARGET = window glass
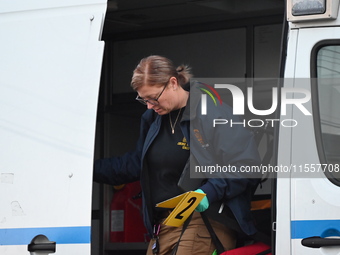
[328, 80]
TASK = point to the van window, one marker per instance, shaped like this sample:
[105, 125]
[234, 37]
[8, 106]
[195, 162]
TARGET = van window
[328, 97]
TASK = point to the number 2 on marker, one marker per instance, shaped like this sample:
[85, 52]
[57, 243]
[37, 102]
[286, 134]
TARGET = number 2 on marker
[191, 201]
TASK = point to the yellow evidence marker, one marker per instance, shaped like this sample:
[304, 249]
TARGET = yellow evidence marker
[183, 205]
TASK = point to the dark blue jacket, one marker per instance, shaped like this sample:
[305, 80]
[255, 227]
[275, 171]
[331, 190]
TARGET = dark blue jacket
[226, 146]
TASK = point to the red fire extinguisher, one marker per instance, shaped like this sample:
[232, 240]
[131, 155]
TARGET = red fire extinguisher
[126, 215]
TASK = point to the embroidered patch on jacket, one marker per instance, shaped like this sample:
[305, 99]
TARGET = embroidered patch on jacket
[184, 144]
[200, 138]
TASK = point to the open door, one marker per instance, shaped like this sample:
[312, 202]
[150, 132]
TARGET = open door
[311, 150]
[51, 57]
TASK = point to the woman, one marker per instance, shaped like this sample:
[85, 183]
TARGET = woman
[161, 155]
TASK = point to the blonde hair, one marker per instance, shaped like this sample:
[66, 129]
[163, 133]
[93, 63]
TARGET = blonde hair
[157, 70]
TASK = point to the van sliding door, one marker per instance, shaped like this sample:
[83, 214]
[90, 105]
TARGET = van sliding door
[50, 66]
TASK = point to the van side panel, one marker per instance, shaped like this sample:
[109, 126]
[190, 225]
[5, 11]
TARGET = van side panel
[51, 57]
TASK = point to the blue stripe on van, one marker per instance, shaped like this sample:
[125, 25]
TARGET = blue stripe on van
[60, 235]
[306, 228]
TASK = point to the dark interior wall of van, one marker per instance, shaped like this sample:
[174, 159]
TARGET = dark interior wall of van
[237, 53]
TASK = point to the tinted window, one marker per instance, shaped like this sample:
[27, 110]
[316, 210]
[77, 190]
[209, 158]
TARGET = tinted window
[328, 89]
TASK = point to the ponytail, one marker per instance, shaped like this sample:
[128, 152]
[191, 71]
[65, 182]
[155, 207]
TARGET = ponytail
[184, 74]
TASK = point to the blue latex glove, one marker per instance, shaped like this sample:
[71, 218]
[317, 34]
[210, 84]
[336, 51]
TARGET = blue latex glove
[204, 204]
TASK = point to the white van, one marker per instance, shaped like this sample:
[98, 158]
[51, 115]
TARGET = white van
[48, 105]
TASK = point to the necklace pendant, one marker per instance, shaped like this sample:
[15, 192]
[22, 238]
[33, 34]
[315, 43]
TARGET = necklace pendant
[174, 125]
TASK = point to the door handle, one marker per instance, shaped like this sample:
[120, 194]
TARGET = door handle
[318, 242]
[42, 244]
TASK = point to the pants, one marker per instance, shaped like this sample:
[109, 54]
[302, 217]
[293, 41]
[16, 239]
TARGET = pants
[196, 239]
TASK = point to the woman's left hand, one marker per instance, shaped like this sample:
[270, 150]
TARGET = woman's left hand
[204, 204]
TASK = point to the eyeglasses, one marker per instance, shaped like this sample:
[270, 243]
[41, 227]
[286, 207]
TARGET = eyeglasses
[153, 101]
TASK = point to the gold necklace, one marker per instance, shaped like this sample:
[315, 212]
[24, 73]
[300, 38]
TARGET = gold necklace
[174, 125]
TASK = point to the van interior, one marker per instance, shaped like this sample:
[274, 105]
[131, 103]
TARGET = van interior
[217, 38]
